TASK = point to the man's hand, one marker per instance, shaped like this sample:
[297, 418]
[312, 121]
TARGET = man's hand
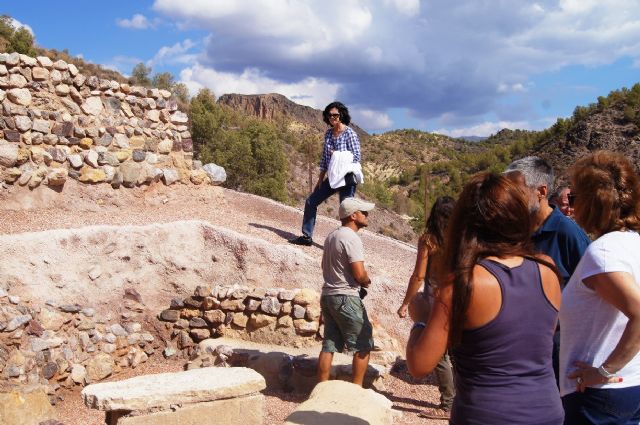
[403, 310]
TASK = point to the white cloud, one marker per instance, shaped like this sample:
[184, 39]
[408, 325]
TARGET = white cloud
[312, 92]
[512, 88]
[406, 7]
[137, 21]
[484, 129]
[436, 58]
[175, 54]
[371, 120]
[17, 25]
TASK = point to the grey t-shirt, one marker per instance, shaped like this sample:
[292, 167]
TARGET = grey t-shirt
[341, 248]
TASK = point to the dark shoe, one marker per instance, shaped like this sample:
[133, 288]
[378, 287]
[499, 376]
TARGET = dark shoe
[302, 240]
[435, 413]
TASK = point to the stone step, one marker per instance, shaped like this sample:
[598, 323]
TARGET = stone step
[165, 389]
[291, 368]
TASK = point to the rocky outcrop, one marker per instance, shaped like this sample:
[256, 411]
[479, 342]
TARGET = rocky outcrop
[273, 106]
[56, 123]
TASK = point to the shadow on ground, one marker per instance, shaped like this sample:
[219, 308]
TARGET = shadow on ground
[282, 233]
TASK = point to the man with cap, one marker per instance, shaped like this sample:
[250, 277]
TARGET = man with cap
[346, 324]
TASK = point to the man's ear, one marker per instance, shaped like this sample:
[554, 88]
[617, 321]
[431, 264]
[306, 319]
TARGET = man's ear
[543, 191]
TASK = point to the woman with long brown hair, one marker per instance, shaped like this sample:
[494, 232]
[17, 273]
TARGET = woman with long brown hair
[600, 319]
[496, 309]
[428, 260]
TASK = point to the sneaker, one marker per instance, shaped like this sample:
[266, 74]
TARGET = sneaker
[302, 240]
[435, 413]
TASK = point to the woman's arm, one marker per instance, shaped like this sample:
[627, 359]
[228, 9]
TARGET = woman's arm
[417, 277]
[426, 346]
[621, 291]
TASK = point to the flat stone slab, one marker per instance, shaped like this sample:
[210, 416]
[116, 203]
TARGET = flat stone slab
[165, 389]
[241, 410]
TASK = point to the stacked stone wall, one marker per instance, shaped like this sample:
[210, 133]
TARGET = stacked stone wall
[56, 123]
[288, 317]
[65, 345]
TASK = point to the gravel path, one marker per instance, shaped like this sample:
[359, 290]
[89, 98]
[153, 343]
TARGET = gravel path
[389, 262]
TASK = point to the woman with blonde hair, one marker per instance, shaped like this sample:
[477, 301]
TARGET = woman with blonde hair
[600, 316]
[496, 308]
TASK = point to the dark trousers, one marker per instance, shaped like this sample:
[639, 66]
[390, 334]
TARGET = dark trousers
[603, 406]
[318, 196]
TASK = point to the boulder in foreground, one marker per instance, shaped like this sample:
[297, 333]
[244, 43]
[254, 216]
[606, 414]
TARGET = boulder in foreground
[342, 403]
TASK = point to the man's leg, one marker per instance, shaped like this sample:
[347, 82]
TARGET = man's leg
[332, 340]
[317, 197]
[324, 366]
[359, 366]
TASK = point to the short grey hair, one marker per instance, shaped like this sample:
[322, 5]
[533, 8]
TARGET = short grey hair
[536, 171]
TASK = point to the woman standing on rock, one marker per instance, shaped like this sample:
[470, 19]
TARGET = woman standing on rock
[339, 138]
[497, 310]
[428, 260]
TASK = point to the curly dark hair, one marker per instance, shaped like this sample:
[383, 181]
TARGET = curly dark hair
[345, 118]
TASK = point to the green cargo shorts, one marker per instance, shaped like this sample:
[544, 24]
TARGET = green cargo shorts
[346, 324]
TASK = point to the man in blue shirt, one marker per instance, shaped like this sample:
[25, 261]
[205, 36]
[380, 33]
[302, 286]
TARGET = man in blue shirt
[554, 234]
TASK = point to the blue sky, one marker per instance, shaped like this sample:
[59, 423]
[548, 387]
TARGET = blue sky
[468, 67]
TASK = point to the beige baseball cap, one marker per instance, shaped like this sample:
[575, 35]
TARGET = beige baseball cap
[351, 205]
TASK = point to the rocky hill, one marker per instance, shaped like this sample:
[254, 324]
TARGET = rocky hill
[613, 123]
[274, 107]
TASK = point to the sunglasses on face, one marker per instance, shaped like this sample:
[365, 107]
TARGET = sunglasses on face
[334, 115]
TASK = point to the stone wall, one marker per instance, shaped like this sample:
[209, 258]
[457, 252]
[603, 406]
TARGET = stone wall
[274, 316]
[56, 123]
[65, 345]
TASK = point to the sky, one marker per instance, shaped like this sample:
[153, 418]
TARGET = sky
[460, 68]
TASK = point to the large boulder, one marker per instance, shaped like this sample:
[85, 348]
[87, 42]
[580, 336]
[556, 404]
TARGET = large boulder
[342, 403]
[216, 173]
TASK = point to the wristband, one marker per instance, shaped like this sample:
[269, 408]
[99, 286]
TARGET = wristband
[418, 325]
[605, 373]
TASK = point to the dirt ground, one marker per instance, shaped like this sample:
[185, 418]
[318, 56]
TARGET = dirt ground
[389, 262]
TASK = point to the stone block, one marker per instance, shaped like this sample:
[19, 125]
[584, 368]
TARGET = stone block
[306, 296]
[343, 403]
[246, 410]
[25, 407]
[166, 389]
